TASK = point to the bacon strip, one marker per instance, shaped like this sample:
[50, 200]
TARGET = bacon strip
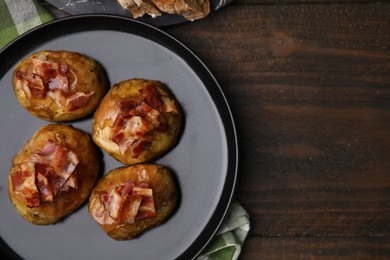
[53, 79]
[45, 190]
[78, 100]
[147, 208]
[151, 115]
[64, 163]
[49, 171]
[135, 119]
[23, 183]
[130, 208]
[32, 84]
[71, 182]
[127, 189]
[123, 141]
[58, 164]
[128, 202]
[132, 123]
[152, 97]
[47, 152]
[54, 75]
[112, 202]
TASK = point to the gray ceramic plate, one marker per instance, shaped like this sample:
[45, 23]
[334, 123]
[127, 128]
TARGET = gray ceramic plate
[112, 7]
[204, 161]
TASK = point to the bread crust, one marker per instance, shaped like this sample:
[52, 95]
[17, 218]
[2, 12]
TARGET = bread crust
[190, 9]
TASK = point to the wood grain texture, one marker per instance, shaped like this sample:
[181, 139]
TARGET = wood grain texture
[316, 248]
[299, 2]
[309, 86]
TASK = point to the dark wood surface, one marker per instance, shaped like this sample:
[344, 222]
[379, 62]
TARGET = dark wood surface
[308, 83]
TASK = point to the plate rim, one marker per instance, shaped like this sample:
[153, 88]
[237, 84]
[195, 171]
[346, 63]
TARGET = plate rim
[12, 52]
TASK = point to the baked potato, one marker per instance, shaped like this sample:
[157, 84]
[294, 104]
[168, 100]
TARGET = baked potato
[137, 121]
[59, 85]
[129, 200]
[53, 174]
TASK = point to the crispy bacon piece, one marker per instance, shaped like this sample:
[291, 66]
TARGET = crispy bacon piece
[71, 182]
[160, 102]
[45, 190]
[112, 203]
[34, 86]
[47, 152]
[152, 97]
[123, 141]
[58, 164]
[128, 202]
[126, 189]
[63, 165]
[50, 170]
[53, 79]
[78, 100]
[54, 75]
[132, 123]
[128, 105]
[130, 209]
[23, 183]
[139, 116]
[147, 208]
[151, 115]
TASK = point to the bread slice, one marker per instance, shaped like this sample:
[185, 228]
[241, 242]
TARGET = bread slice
[190, 9]
[140, 7]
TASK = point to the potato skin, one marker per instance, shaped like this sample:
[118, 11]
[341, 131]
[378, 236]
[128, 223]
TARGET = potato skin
[90, 77]
[162, 141]
[165, 196]
[88, 169]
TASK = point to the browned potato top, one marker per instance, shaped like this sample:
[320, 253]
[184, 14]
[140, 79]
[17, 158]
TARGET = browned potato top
[137, 121]
[132, 199]
[59, 85]
[53, 174]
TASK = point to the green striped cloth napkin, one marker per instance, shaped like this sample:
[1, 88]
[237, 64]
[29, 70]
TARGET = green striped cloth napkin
[230, 237]
[19, 16]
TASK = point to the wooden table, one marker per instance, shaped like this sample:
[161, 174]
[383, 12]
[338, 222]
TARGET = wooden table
[308, 82]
